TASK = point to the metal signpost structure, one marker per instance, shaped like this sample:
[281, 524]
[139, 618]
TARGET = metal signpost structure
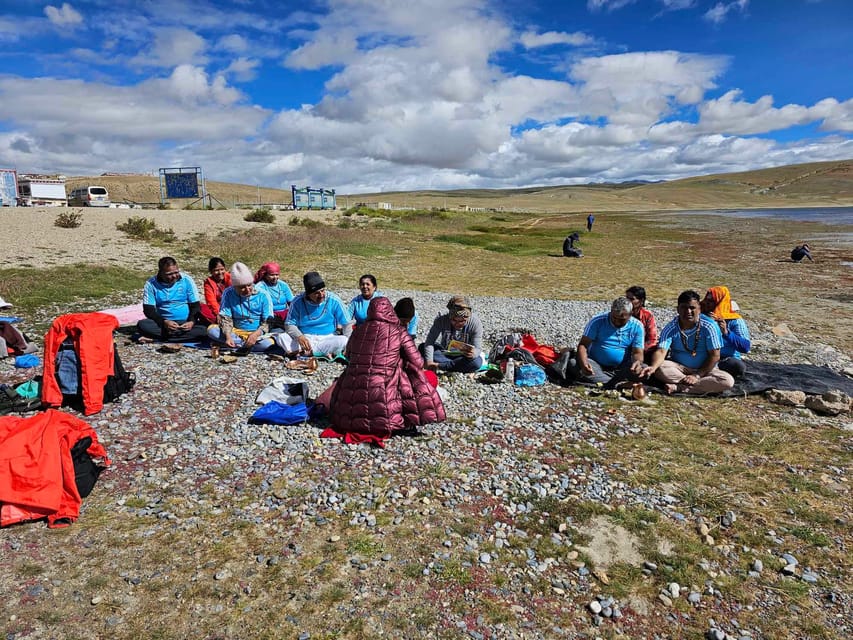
[184, 183]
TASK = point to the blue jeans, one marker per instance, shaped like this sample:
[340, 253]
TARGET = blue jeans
[460, 364]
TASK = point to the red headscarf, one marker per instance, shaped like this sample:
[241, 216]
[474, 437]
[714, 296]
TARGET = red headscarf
[722, 303]
[266, 269]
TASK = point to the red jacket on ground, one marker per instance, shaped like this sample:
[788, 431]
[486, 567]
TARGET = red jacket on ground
[37, 477]
[383, 388]
[92, 334]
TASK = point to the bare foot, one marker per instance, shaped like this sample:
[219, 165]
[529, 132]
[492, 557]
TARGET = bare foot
[670, 388]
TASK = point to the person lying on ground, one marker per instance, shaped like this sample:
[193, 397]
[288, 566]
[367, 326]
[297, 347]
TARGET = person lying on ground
[408, 315]
[170, 303]
[693, 342]
[358, 305]
[637, 296]
[268, 278]
[244, 314]
[461, 327]
[318, 322]
[801, 251]
[612, 343]
[717, 303]
[214, 286]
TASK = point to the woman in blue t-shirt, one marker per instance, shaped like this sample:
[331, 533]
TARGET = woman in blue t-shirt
[358, 305]
[717, 303]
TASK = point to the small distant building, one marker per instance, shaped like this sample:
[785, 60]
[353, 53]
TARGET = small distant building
[41, 191]
[308, 198]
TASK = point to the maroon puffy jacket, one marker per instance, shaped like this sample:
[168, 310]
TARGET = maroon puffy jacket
[383, 389]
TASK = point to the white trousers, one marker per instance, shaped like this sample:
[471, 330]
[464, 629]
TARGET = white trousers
[321, 345]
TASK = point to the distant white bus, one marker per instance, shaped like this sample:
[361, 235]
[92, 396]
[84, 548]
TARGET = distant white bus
[89, 196]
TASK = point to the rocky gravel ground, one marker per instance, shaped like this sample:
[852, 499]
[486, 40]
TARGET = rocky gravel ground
[462, 532]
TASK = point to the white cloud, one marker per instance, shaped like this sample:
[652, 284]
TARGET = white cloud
[285, 164]
[323, 51]
[607, 5]
[233, 43]
[677, 5]
[172, 47]
[727, 114]
[640, 88]
[243, 69]
[720, 11]
[64, 16]
[532, 40]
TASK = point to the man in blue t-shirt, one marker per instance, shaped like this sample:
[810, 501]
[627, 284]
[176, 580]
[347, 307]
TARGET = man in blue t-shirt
[693, 342]
[612, 342]
[314, 319]
[170, 303]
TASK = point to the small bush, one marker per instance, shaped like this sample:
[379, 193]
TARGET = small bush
[145, 229]
[68, 220]
[259, 215]
[296, 221]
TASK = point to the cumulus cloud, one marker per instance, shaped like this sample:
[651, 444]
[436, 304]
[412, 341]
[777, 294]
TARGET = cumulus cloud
[640, 88]
[243, 69]
[172, 47]
[720, 11]
[532, 40]
[233, 43]
[64, 16]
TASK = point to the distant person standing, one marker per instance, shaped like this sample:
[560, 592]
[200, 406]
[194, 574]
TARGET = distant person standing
[801, 251]
[589, 220]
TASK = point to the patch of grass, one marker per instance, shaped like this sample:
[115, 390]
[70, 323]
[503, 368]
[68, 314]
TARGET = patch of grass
[453, 571]
[263, 215]
[30, 570]
[807, 534]
[364, 545]
[31, 289]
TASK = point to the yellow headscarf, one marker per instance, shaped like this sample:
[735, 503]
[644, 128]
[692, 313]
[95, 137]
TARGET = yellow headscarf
[722, 303]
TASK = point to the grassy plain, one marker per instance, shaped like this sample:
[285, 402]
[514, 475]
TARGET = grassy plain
[785, 471]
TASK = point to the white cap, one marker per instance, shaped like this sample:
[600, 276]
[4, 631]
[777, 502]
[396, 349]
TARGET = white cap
[4, 304]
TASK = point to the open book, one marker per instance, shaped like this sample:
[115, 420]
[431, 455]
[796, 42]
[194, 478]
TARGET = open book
[457, 348]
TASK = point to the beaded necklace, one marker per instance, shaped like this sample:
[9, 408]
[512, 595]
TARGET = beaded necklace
[685, 340]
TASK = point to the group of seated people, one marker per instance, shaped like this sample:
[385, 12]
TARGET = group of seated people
[697, 352]
[255, 312]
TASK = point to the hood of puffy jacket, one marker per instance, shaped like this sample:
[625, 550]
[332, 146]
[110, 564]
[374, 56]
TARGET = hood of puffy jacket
[382, 310]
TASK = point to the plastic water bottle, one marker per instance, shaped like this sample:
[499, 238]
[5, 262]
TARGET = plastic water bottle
[509, 374]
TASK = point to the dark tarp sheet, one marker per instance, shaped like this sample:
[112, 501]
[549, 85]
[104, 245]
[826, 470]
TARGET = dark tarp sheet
[809, 378]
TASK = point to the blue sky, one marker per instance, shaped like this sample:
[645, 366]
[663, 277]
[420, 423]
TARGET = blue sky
[382, 95]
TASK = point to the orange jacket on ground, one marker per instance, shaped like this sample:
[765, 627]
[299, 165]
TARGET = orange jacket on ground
[37, 477]
[92, 334]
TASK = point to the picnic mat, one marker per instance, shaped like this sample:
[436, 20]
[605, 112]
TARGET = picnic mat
[808, 378]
